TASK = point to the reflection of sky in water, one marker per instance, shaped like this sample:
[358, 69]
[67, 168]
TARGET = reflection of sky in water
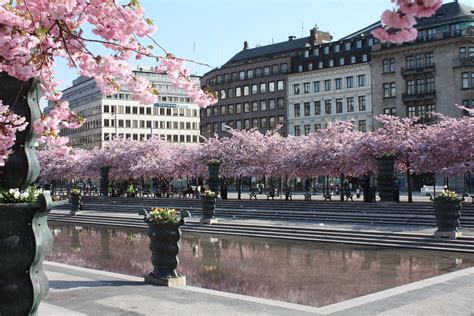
[307, 273]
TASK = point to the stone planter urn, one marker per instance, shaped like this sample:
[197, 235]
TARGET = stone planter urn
[386, 179]
[75, 202]
[213, 168]
[447, 218]
[164, 246]
[208, 210]
[25, 238]
[104, 181]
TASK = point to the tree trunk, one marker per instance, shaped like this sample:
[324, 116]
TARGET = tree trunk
[327, 185]
[239, 188]
[409, 185]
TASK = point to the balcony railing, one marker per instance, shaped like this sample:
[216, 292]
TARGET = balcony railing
[466, 61]
[419, 69]
[419, 96]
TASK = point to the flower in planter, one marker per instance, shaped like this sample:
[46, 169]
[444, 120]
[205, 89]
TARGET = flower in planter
[387, 154]
[448, 195]
[76, 191]
[209, 194]
[159, 215]
[214, 162]
[30, 195]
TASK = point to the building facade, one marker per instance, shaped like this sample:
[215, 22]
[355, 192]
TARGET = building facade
[252, 87]
[431, 74]
[174, 117]
[330, 82]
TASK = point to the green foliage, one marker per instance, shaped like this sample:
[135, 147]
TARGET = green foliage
[214, 162]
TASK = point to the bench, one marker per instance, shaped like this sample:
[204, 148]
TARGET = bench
[307, 196]
[253, 195]
[327, 196]
[348, 196]
[430, 189]
[164, 193]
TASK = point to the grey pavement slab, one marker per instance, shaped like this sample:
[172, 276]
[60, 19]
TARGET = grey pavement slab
[81, 291]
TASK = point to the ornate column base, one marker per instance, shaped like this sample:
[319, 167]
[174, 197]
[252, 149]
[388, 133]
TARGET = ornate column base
[171, 281]
[438, 235]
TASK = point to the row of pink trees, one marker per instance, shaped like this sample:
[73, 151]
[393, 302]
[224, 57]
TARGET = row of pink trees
[444, 147]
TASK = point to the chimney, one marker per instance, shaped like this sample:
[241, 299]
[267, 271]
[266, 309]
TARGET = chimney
[318, 37]
[291, 37]
[246, 45]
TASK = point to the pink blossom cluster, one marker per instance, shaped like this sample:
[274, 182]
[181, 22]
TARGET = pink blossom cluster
[10, 123]
[179, 74]
[399, 23]
[34, 33]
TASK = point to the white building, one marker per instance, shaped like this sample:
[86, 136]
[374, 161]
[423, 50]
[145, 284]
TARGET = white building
[335, 93]
[174, 117]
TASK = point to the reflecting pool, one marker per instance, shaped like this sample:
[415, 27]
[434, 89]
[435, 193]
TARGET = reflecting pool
[309, 273]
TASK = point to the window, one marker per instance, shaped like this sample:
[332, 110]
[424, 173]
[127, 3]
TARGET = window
[390, 111]
[271, 121]
[327, 106]
[347, 46]
[331, 63]
[271, 104]
[297, 130]
[409, 62]
[215, 111]
[410, 87]
[327, 85]
[430, 84]
[349, 82]
[420, 60]
[338, 83]
[250, 74]
[263, 122]
[127, 110]
[280, 86]
[255, 106]
[254, 89]
[307, 129]
[296, 88]
[296, 109]
[362, 126]
[208, 112]
[258, 72]
[223, 108]
[238, 108]
[316, 86]
[389, 90]
[462, 52]
[358, 44]
[242, 75]
[280, 103]
[326, 50]
[341, 61]
[281, 119]
[246, 90]
[317, 107]
[223, 94]
[320, 65]
[266, 71]
[106, 123]
[362, 105]
[317, 126]
[246, 107]
[465, 80]
[411, 111]
[271, 86]
[275, 69]
[263, 105]
[255, 123]
[234, 76]
[306, 87]
[300, 68]
[420, 85]
[238, 124]
[364, 57]
[361, 80]
[230, 93]
[350, 104]
[389, 65]
[246, 123]
[238, 92]
[353, 59]
[316, 51]
[106, 109]
[339, 105]
[429, 61]
[284, 68]
[336, 48]
[307, 109]
[263, 88]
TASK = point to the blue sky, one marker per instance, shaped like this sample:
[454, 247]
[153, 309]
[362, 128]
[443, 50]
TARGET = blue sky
[212, 31]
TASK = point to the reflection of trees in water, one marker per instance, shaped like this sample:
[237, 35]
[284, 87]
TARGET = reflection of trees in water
[302, 272]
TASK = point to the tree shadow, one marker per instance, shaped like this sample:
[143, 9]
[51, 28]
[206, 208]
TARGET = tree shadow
[63, 285]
